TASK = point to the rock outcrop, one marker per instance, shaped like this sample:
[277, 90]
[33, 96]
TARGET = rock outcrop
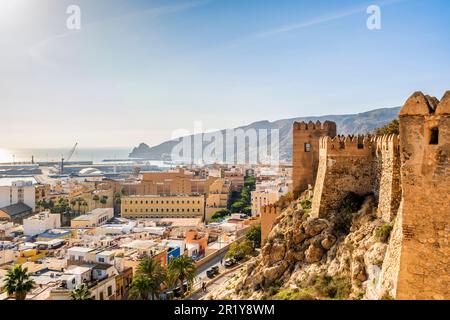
[306, 254]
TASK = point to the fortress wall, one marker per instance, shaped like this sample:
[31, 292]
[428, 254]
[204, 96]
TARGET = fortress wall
[345, 166]
[425, 174]
[268, 215]
[387, 283]
[305, 161]
[387, 168]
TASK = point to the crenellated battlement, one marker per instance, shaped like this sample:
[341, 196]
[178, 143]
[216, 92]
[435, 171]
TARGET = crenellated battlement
[361, 145]
[315, 126]
[419, 104]
[386, 143]
[269, 214]
[270, 209]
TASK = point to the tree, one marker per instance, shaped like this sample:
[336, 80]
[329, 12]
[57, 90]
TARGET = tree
[250, 183]
[73, 203]
[237, 207]
[254, 236]
[85, 205]
[155, 273]
[390, 128]
[81, 292]
[104, 200]
[182, 269]
[140, 288]
[79, 202]
[18, 282]
[220, 215]
[239, 251]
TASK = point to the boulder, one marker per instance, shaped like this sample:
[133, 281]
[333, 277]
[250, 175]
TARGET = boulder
[359, 271]
[298, 236]
[313, 254]
[328, 241]
[275, 272]
[375, 255]
[315, 226]
[276, 253]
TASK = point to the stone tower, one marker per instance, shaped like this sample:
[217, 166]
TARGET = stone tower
[305, 152]
[425, 210]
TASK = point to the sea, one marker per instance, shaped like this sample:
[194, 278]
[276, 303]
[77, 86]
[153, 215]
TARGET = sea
[96, 155]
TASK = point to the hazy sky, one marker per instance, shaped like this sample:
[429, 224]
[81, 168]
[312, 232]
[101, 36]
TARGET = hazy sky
[138, 70]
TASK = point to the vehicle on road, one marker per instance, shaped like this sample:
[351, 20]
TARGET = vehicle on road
[229, 263]
[211, 273]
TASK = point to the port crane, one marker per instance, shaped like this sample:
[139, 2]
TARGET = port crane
[69, 156]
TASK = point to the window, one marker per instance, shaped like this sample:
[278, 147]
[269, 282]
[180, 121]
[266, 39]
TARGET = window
[307, 147]
[434, 136]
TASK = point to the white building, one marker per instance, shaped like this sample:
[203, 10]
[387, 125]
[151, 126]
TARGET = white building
[13, 191]
[81, 254]
[40, 223]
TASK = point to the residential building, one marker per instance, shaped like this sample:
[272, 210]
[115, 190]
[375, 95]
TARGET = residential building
[95, 218]
[40, 223]
[18, 190]
[218, 197]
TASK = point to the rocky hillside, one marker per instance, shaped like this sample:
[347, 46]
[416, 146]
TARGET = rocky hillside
[308, 258]
[347, 124]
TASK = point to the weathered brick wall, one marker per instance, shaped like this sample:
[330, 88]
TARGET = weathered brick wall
[268, 215]
[387, 283]
[388, 190]
[305, 163]
[345, 166]
[425, 174]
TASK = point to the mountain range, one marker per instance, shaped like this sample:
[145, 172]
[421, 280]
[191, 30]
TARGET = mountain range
[360, 123]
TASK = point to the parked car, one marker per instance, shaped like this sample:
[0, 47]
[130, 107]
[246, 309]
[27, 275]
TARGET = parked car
[211, 273]
[229, 263]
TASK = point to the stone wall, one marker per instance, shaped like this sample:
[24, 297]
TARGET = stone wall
[387, 283]
[268, 215]
[387, 168]
[345, 167]
[425, 174]
[305, 152]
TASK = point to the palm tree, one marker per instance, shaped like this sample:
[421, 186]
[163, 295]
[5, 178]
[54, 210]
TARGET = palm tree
[85, 205]
[79, 202]
[73, 203]
[81, 292]
[96, 198]
[140, 288]
[155, 272]
[18, 282]
[182, 269]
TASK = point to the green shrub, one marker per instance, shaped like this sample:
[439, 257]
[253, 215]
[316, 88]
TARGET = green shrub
[384, 232]
[306, 204]
[295, 294]
[332, 287]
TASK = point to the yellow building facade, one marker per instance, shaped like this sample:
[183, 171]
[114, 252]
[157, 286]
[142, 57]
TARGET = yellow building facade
[158, 207]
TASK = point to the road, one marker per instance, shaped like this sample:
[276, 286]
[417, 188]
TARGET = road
[201, 272]
[215, 283]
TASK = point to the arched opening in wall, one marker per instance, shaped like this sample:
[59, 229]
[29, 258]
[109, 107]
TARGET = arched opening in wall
[434, 136]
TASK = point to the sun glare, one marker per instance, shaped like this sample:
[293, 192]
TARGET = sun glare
[5, 156]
